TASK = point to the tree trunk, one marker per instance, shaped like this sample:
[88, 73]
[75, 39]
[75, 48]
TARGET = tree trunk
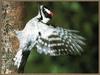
[11, 19]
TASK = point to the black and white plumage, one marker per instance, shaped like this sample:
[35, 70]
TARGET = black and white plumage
[47, 39]
[60, 42]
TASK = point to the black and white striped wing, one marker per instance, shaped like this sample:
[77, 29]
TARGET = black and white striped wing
[60, 42]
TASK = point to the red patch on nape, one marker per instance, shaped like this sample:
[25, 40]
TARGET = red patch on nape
[51, 14]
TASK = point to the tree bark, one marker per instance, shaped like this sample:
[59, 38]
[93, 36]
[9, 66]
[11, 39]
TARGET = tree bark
[11, 19]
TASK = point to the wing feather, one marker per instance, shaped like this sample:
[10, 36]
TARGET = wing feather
[61, 42]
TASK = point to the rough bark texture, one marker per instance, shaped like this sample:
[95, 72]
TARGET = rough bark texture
[11, 19]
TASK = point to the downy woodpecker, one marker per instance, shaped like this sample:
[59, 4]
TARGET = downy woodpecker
[53, 41]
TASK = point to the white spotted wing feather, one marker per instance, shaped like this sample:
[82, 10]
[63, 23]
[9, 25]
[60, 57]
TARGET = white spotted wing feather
[60, 42]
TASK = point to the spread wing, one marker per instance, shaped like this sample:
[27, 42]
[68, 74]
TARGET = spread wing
[60, 42]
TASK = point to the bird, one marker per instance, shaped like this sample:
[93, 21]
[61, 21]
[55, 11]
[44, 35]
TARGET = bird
[48, 40]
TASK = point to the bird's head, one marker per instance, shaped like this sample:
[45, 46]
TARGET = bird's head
[44, 14]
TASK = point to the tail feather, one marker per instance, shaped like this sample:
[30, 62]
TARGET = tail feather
[25, 55]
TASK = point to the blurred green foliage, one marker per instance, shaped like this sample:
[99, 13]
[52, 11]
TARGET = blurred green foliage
[81, 16]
